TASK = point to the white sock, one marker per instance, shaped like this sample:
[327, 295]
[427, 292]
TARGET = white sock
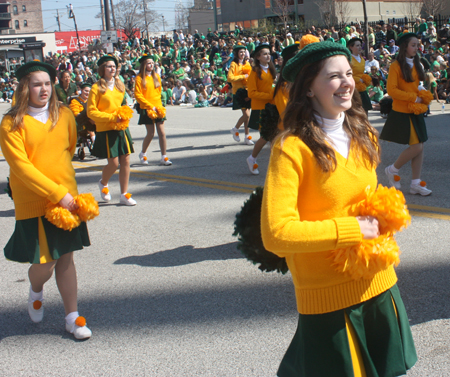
[93, 138]
[392, 169]
[253, 159]
[71, 317]
[415, 181]
[163, 156]
[36, 295]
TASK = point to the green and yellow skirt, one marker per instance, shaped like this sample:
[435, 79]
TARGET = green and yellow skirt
[38, 241]
[111, 144]
[370, 339]
[255, 119]
[404, 128]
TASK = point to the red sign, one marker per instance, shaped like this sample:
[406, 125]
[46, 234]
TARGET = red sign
[66, 41]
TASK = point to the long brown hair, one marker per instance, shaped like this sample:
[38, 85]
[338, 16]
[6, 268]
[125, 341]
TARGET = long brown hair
[102, 86]
[22, 96]
[257, 65]
[142, 73]
[406, 70]
[299, 120]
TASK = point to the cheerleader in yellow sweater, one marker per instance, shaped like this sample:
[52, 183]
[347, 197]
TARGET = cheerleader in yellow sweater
[319, 169]
[38, 138]
[260, 91]
[237, 76]
[359, 64]
[147, 92]
[402, 125]
[106, 96]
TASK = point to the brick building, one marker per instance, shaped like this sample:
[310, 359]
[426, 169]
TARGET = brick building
[26, 16]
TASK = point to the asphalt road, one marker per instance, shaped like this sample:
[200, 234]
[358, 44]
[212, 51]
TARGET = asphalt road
[166, 292]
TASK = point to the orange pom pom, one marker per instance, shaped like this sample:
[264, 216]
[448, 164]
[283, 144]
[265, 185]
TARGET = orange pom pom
[124, 113]
[105, 190]
[417, 108]
[152, 114]
[120, 126]
[237, 133]
[166, 158]
[37, 305]
[255, 166]
[396, 178]
[144, 158]
[423, 183]
[246, 69]
[308, 39]
[366, 79]
[360, 86]
[87, 207]
[128, 195]
[426, 96]
[161, 111]
[80, 321]
[249, 138]
[61, 217]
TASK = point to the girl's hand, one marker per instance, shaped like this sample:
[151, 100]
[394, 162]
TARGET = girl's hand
[68, 203]
[246, 76]
[369, 227]
[419, 100]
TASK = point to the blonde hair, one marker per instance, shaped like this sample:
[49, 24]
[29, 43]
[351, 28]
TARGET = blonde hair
[142, 71]
[102, 87]
[22, 97]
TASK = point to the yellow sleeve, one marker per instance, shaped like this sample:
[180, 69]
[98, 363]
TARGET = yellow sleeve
[76, 107]
[394, 77]
[283, 231]
[92, 108]
[13, 148]
[252, 87]
[140, 96]
[73, 135]
[233, 73]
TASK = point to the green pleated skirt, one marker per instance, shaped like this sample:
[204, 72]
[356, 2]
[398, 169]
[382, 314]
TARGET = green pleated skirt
[399, 128]
[365, 99]
[111, 144]
[255, 119]
[145, 119]
[36, 240]
[324, 344]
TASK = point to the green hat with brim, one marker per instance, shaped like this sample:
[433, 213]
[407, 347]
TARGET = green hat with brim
[144, 57]
[239, 47]
[290, 51]
[260, 47]
[313, 53]
[85, 85]
[353, 40]
[36, 66]
[406, 37]
[107, 58]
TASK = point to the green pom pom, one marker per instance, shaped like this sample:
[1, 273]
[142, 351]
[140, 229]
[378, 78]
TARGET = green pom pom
[247, 228]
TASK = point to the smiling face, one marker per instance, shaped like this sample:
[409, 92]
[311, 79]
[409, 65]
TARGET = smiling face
[85, 92]
[332, 90]
[241, 54]
[40, 89]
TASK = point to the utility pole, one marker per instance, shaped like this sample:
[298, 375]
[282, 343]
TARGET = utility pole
[102, 11]
[72, 15]
[164, 25]
[113, 15]
[145, 16]
[107, 15]
[57, 20]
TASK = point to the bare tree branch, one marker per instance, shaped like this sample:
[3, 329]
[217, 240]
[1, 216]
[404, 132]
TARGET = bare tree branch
[433, 7]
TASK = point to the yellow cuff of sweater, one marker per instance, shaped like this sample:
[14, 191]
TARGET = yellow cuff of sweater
[58, 194]
[348, 232]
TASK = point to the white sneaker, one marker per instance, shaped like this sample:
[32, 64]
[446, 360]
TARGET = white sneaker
[79, 332]
[421, 189]
[235, 132]
[394, 179]
[165, 161]
[252, 165]
[248, 140]
[143, 158]
[36, 310]
[104, 191]
[126, 199]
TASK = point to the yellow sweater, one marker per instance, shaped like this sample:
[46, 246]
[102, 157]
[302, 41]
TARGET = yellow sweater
[358, 68]
[40, 162]
[260, 90]
[149, 97]
[100, 107]
[236, 76]
[76, 106]
[307, 213]
[401, 91]
[280, 101]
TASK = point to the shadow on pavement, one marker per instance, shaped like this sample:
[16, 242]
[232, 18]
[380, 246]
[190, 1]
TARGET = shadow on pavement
[184, 255]
[7, 213]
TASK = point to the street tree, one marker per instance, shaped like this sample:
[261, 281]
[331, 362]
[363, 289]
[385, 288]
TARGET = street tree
[434, 7]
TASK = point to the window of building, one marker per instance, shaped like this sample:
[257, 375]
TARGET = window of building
[218, 8]
[24, 8]
[15, 10]
[267, 2]
[25, 23]
[16, 24]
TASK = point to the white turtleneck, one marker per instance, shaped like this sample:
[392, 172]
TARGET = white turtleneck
[357, 57]
[110, 84]
[336, 134]
[410, 62]
[39, 113]
[264, 67]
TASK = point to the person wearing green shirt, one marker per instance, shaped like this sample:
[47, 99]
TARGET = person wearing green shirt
[65, 88]
[166, 94]
[250, 45]
[179, 72]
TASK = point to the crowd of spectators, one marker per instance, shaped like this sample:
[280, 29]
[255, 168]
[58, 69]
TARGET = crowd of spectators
[194, 67]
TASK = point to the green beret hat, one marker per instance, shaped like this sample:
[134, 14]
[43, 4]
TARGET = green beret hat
[426, 64]
[239, 47]
[260, 47]
[290, 50]
[405, 37]
[313, 53]
[85, 85]
[36, 66]
[107, 58]
[353, 40]
[144, 57]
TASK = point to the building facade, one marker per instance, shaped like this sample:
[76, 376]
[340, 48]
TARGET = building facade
[26, 16]
[201, 16]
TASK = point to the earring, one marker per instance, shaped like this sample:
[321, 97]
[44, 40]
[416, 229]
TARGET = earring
[310, 94]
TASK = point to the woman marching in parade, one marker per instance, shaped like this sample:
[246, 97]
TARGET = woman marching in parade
[148, 95]
[237, 76]
[113, 141]
[405, 123]
[319, 170]
[38, 139]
